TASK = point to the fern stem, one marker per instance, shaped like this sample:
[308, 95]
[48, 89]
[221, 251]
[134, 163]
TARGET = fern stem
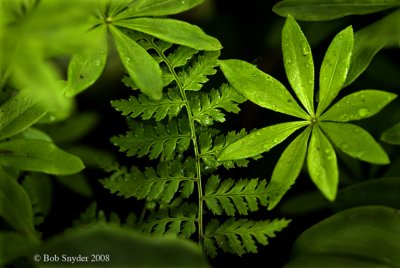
[194, 141]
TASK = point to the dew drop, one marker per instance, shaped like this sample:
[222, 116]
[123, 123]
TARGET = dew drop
[273, 107]
[127, 59]
[363, 112]
[344, 117]
[183, 2]
[97, 62]
[102, 52]
[52, 118]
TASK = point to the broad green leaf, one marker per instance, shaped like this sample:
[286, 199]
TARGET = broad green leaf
[260, 141]
[38, 155]
[384, 192]
[288, 168]
[85, 68]
[13, 245]
[260, 88]
[142, 68]
[173, 31]
[334, 68]
[125, 248]
[392, 135]
[156, 8]
[359, 105]
[369, 40]
[318, 10]
[18, 113]
[360, 237]
[322, 164]
[298, 61]
[15, 206]
[355, 141]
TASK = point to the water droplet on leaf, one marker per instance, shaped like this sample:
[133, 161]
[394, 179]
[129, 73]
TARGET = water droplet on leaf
[363, 112]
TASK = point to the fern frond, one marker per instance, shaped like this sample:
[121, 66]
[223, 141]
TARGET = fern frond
[235, 196]
[181, 56]
[170, 105]
[195, 76]
[206, 107]
[240, 236]
[178, 221]
[153, 184]
[159, 140]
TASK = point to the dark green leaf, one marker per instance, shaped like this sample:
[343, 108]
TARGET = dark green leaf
[299, 64]
[260, 88]
[77, 183]
[260, 141]
[15, 245]
[317, 10]
[392, 135]
[38, 155]
[173, 31]
[355, 141]
[334, 68]
[322, 164]
[142, 68]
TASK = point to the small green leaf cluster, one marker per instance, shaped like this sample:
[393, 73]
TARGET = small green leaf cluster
[179, 132]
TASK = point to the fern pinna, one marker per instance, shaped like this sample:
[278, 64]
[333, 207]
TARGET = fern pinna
[177, 132]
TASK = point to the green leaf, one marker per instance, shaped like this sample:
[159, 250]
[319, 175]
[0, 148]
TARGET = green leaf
[86, 67]
[288, 168]
[19, 113]
[334, 68]
[38, 155]
[299, 64]
[392, 135]
[260, 88]
[260, 141]
[355, 141]
[142, 68]
[124, 248]
[369, 40]
[15, 206]
[318, 10]
[77, 183]
[173, 31]
[322, 164]
[231, 196]
[359, 105]
[15, 245]
[359, 237]
[156, 8]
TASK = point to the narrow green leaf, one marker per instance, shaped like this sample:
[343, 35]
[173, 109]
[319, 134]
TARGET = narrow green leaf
[38, 155]
[369, 40]
[355, 141]
[392, 135]
[288, 168]
[260, 141]
[322, 164]
[173, 31]
[318, 10]
[260, 88]
[86, 67]
[359, 105]
[156, 8]
[299, 64]
[142, 68]
[19, 113]
[15, 206]
[334, 68]
[360, 237]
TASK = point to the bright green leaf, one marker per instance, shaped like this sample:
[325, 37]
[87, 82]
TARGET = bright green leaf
[288, 168]
[359, 105]
[86, 67]
[38, 155]
[173, 31]
[260, 88]
[142, 68]
[13, 245]
[298, 61]
[392, 135]
[322, 164]
[15, 206]
[355, 141]
[318, 10]
[260, 141]
[334, 68]
[361, 237]
[156, 8]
